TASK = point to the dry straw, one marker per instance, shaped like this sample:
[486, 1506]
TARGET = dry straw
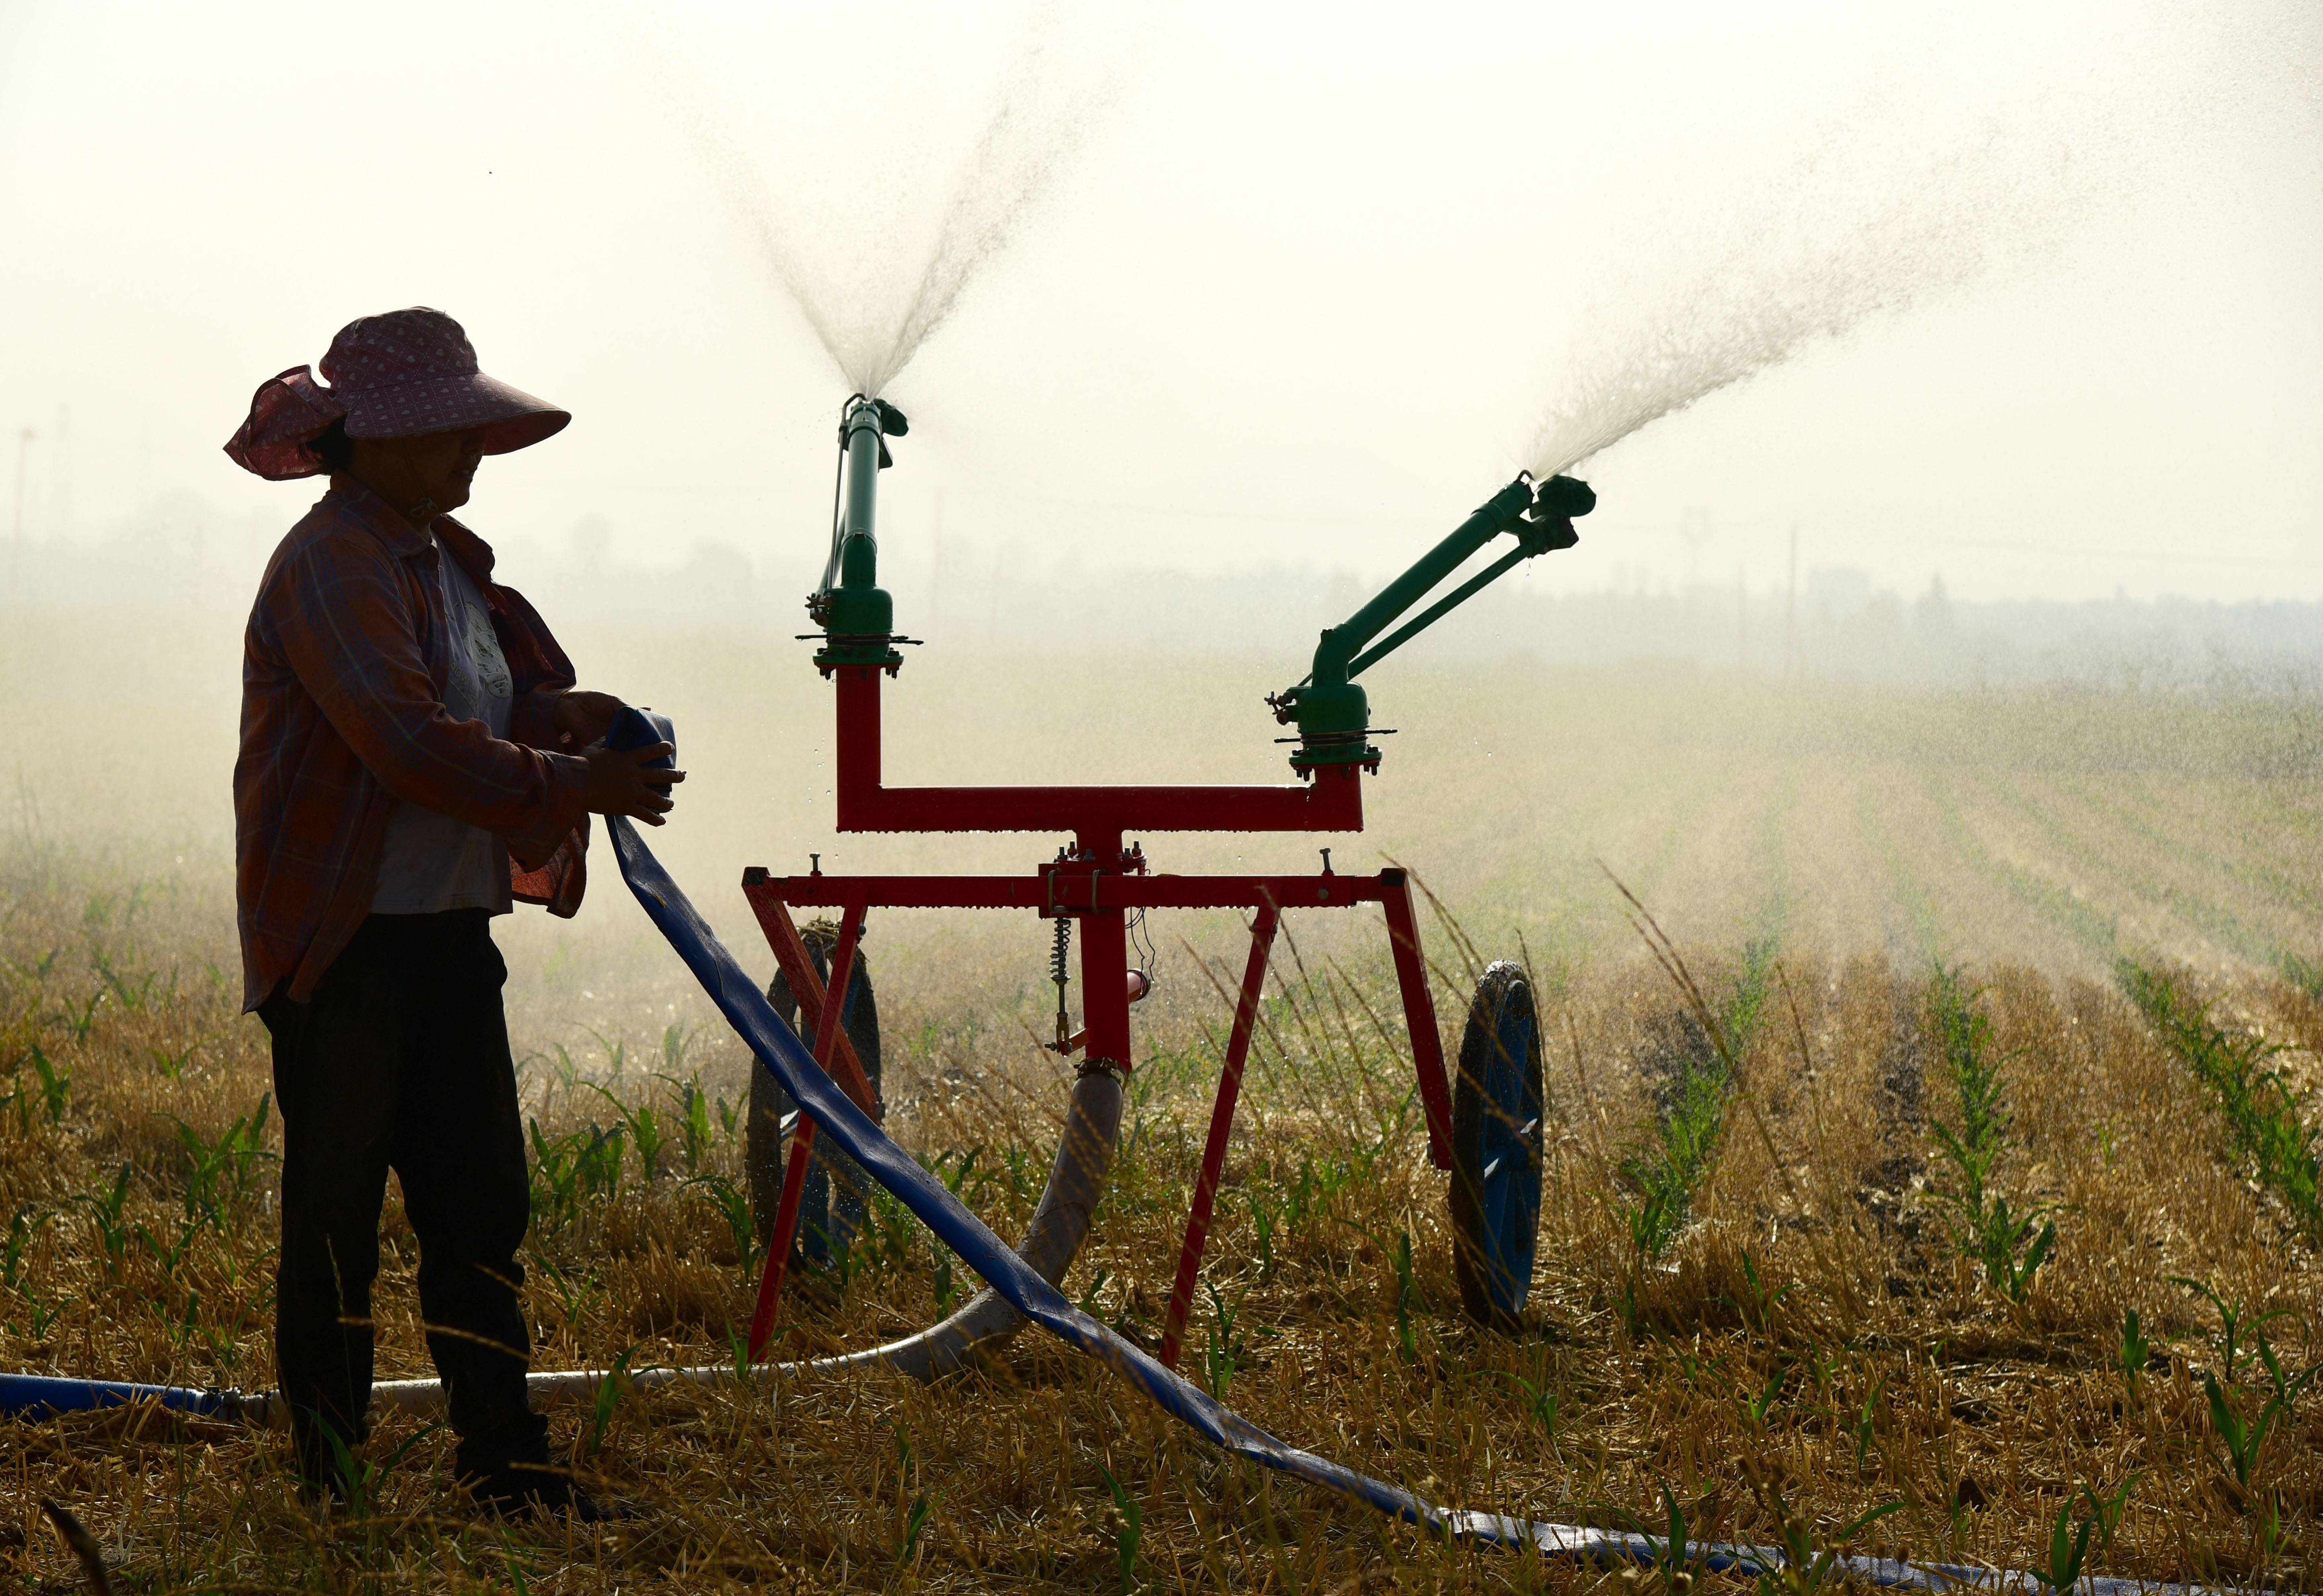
[1812, 1343]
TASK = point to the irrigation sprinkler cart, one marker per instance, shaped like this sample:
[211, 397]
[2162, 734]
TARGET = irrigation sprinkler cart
[1489, 1142]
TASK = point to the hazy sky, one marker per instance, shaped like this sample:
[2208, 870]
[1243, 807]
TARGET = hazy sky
[1299, 289]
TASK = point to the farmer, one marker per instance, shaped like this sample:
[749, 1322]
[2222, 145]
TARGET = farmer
[415, 756]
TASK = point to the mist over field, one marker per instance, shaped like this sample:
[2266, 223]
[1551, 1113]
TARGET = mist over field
[2050, 784]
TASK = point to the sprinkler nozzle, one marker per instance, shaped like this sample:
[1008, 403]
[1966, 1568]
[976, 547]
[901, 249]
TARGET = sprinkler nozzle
[1547, 525]
[1562, 498]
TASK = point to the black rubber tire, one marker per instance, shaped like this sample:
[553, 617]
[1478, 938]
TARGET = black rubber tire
[830, 1207]
[1497, 1118]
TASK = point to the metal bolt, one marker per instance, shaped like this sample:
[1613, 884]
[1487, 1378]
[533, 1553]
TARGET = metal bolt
[1326, 861]
[817, 859]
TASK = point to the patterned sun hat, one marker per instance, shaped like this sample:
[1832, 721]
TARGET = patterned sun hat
[392, 376]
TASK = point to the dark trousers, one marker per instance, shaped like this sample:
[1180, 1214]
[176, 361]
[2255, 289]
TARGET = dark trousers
[400, 1060]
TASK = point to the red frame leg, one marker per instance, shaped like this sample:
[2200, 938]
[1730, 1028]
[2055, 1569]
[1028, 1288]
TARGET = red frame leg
[1419, 1016]
[827, 1036]
[806, 987]
[1214, 1154]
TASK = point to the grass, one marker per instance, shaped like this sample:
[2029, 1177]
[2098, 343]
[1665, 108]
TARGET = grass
[1886, 1402]
[1814, 1310]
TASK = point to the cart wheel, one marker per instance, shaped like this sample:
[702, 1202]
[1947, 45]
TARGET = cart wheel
[1496, 1149]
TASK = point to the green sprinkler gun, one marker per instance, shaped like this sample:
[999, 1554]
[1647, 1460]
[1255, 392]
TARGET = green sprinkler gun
[1333, 716]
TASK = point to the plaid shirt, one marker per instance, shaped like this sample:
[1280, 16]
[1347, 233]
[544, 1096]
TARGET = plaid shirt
[343, 667]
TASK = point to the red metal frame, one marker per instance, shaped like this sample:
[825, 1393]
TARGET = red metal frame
[831, 1046]
[1213, 1152]
[1332, 801]
[1097, 882]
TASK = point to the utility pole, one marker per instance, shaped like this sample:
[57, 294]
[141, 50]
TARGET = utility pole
[1791, 660]
[61, 484]
[16, 543]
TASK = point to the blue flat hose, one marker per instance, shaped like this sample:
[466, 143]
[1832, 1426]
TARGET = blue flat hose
[745, 1008]
[34, 1396]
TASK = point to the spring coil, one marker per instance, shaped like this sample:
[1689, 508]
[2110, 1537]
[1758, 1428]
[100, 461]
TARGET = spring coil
[1060, 947]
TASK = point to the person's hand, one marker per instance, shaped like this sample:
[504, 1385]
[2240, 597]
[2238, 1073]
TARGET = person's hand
[619, 782]
[583, 718]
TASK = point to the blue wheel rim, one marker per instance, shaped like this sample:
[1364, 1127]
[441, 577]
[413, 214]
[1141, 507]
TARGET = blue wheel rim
[1508, 1167]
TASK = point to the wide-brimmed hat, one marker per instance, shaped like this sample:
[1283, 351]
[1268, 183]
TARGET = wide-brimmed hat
[392, 376]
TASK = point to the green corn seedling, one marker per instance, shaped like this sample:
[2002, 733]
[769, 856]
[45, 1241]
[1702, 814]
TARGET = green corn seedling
[211, 1167]
[916, 1516]
[56, 1086]
[2106, 1509]
[82, 1023]
[606, 1400]
[573, 1298]
[2232, 1323]
[1672, 1552]
[2288, 1388]
[1128, 1529]
[1405, 1296]
[2010, 1246]
[2242, 1440]
[359, 1477]
[172, 1066]
[1666, 1171]
[554, 1182]
[597, 1161]
[130, 997]
[617, 1053]
[1224, 1351]
[1678, 1575]
[2305, 975]
[733, 1207]
[695, 1136]
[1757, 1407]
[1088, 1303]
[1804, 1569]
[645, 1130]
[2136, 1351]
[1757, 1312]
[20, 1233]
[2068, 1548]
[183, 1331]
[113, 1232]
[1865, 1424]
[172, 1256]
[2265, 1113]
[1262, 1225]
[1540, 1401]
[44, 1316]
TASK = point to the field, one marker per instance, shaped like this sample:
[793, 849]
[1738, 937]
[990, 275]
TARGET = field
[1974, 1173]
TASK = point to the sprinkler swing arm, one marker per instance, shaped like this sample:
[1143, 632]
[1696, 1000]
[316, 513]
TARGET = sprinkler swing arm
[1331, 712]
